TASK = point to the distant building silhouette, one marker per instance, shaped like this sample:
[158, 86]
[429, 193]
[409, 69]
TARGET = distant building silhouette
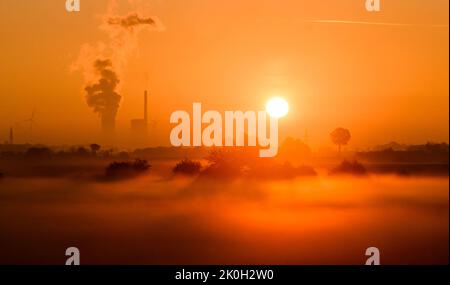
[139, 127]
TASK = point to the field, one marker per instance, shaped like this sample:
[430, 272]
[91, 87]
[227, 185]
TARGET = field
[159, 219]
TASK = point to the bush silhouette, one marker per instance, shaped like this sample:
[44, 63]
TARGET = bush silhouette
[347, 167]
[188, 167]
[127, 169]
[232, 164]
[38, 153]
[224, 164]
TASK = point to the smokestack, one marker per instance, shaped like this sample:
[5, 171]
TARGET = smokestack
[145, 106]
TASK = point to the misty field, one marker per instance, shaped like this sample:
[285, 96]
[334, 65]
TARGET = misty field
[153, 219]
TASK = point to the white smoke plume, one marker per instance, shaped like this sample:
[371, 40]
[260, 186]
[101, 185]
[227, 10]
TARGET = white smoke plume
[102, 62]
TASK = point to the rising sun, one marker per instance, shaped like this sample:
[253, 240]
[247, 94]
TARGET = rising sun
[277, 107]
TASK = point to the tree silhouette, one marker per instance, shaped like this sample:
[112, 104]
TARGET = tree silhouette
[94, 148]
[340, 137]
[81, 151]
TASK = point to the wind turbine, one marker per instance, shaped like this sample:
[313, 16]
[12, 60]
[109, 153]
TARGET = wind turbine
[31, 121]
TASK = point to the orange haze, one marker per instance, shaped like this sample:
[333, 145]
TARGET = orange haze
[383, 83]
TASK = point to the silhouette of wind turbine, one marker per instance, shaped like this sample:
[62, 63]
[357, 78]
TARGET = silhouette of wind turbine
[31, 121]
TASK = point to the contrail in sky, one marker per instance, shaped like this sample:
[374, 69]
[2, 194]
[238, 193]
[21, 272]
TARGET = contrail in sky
[377, 23]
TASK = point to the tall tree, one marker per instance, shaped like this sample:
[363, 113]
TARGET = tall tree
[340, 137]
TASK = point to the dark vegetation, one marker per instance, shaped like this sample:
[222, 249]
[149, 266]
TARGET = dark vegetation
[38, 153]
[340, 137]
[430, 153]
[43, 161]
[348, 167]
[242, 163]
[430, 159]
[91, 161]
[126, 169]
[407, 169]
[95, 148]
[187, 167]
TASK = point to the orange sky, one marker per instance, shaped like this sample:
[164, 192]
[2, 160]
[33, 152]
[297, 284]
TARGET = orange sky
[383, 83]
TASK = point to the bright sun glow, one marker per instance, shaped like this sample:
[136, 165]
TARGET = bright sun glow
[277, 107]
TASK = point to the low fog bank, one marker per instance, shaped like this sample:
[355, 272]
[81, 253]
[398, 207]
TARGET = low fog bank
[222, 206]
[151, 219]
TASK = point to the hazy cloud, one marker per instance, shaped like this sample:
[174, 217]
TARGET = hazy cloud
[131, 21]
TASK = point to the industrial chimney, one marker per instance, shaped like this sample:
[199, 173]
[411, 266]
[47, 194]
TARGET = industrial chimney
[139, 131]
